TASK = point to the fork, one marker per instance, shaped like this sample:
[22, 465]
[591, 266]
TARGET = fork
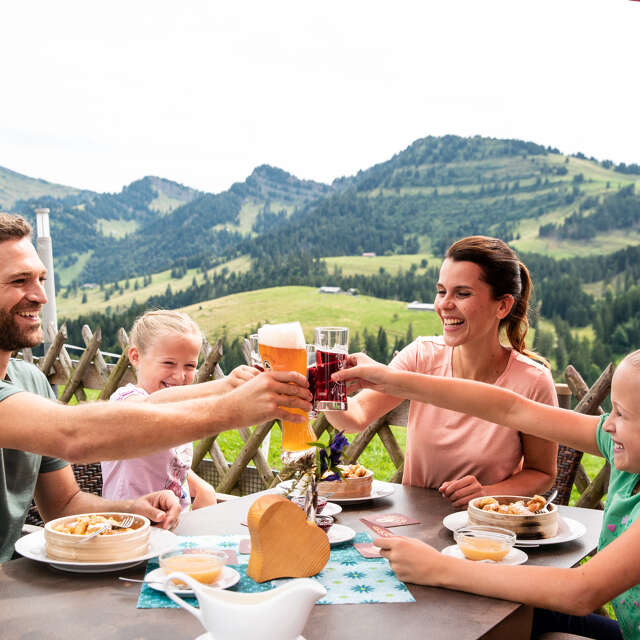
[549, 500]
[125, 523]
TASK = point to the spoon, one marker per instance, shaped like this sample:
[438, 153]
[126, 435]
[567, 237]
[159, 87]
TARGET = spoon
[143, 581]
[550, 499]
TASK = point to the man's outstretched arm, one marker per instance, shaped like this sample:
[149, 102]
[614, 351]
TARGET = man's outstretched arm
[116, 430]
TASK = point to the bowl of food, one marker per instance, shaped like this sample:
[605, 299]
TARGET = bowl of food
[526, 516]
[484, 543]
[357, 482]
[202, 564]
[67, 538]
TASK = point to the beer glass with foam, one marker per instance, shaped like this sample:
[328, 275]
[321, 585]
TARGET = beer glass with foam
[283, 348]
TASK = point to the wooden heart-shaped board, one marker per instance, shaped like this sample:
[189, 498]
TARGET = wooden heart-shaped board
[284, 544]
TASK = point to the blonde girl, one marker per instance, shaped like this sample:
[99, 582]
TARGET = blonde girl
[164, 349]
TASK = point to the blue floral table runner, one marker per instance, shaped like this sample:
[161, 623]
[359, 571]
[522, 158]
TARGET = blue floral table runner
[348, 577]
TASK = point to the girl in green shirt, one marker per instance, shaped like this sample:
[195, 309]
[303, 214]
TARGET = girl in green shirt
[613, 574]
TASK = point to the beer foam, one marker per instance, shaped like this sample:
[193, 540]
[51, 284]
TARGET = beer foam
[287, 335]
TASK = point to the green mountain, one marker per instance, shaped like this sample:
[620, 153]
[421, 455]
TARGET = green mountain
[440, 189]
[434, 191]
[16, 186]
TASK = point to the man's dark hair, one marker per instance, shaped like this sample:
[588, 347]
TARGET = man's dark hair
[13, 227]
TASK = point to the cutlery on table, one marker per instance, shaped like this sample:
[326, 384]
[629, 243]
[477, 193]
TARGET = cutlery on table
[550, 499]
[125, 523]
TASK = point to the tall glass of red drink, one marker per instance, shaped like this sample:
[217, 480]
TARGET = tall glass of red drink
[332, 348]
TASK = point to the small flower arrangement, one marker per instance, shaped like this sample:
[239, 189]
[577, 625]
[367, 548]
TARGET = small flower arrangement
[321, 467]
[329, 457]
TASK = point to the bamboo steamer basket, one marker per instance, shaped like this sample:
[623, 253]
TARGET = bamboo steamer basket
[347, 487]
[526, 527]
[101, 548]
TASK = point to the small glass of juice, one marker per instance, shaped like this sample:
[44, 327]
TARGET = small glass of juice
[484, 542]
[203, 565]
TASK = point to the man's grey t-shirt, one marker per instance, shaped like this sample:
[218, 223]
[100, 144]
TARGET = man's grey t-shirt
[19, 470]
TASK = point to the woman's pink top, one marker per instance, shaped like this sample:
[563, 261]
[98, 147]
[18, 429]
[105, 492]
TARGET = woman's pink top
[445, 445]
[132, 478]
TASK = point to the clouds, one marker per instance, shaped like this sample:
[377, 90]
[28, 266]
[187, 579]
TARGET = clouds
[96, 96]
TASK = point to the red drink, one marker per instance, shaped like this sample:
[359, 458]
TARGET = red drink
[330, 395]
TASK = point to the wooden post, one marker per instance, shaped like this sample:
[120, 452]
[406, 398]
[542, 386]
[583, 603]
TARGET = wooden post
[210, 365]
[75, 381]
[67, 368]
[246, 453]
[119, 370]
[217, 457]
[46, 364]
[98, 362]
[262, 465]
[589, 401]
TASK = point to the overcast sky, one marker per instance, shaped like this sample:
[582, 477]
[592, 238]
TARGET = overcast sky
[96, 95]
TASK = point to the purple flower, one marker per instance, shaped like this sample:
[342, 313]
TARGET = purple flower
[338, 443]
[324, 465]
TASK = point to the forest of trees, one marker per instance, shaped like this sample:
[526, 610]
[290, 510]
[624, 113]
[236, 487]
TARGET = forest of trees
[617, 211]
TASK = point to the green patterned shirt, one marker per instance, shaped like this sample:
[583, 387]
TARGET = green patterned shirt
[621, 509]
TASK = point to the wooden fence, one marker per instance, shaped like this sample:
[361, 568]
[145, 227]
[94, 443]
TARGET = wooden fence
[91, 371]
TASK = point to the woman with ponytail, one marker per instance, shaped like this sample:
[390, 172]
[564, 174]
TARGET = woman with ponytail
[482, 299]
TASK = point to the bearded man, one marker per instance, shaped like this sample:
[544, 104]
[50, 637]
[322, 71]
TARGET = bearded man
[37, 434]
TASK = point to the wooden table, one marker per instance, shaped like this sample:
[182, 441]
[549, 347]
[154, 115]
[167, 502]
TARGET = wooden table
[37, 601]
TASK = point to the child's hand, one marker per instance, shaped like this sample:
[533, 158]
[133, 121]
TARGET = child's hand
[411, 560]
[460, 491]
[161, 507]
[240, 375]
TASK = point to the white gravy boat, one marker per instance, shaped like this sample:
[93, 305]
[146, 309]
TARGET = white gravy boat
[278, 614]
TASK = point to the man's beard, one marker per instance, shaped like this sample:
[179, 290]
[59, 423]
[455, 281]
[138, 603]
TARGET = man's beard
[12, 337]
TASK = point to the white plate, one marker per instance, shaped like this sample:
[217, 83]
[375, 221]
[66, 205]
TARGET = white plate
[340, 533]
[568, 529]
[331, 509]
[32, 546]
[156, 578]
[515, 556]
[378, 490]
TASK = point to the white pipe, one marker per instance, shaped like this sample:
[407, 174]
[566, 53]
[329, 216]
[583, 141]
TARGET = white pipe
[45, 252]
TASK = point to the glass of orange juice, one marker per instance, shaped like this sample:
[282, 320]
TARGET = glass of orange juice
[283, 348]
[203, 565]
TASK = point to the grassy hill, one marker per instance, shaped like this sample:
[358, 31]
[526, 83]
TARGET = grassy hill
[16, 186]
[70, 305]
[239, 314]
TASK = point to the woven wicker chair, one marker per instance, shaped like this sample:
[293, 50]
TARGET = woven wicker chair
[89, 479]
[568, 462]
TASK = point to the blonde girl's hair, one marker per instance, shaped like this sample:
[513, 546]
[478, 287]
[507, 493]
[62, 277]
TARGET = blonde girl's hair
[505, 274]
[152, 324]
